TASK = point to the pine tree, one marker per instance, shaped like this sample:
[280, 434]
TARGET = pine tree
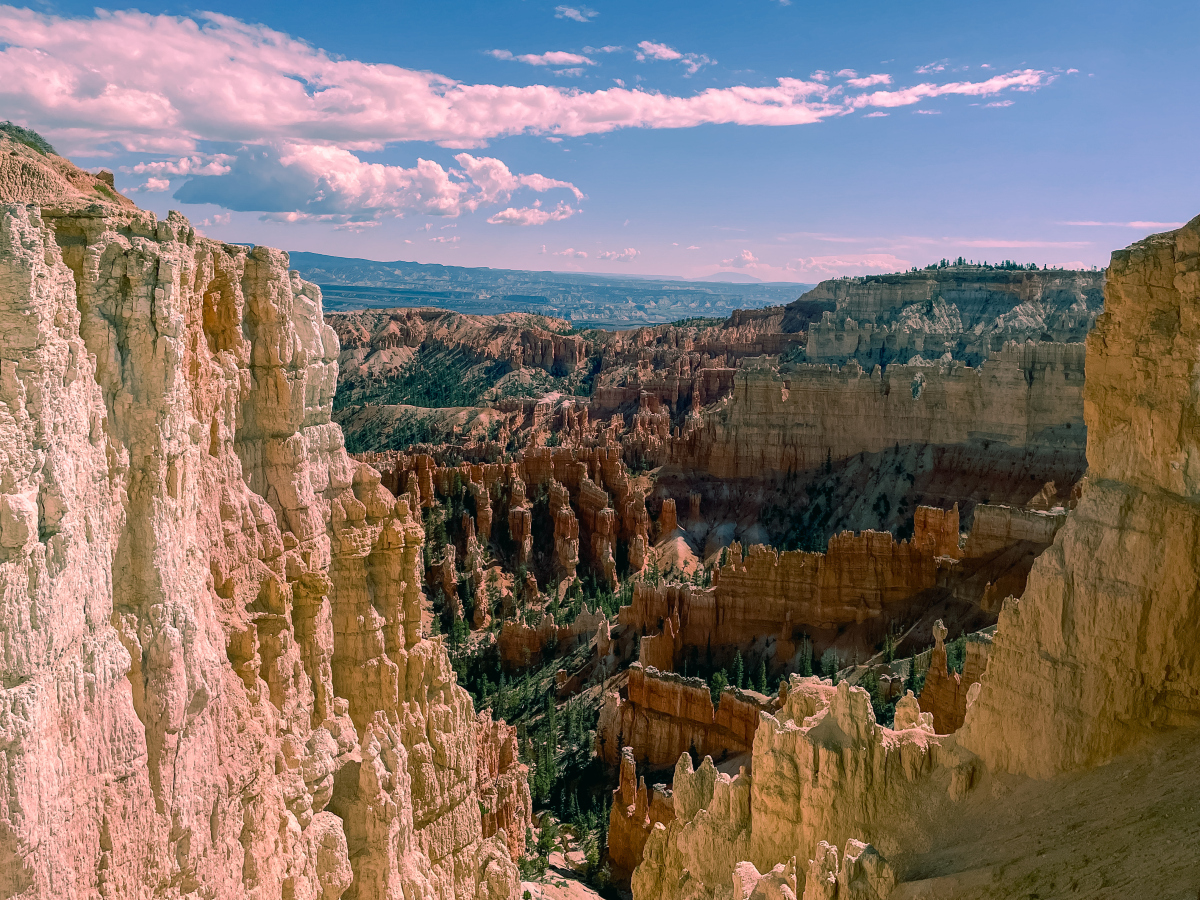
[761, 681]
[806, 654]
[738, 670]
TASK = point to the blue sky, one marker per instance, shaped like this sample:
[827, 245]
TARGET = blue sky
[997, 131]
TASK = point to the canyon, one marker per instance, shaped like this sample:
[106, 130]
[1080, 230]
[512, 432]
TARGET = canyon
[887, 592]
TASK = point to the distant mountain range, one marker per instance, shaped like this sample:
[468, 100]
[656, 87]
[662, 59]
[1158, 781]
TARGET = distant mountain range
[587, 299]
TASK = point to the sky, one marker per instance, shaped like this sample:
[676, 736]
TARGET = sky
[786, 141]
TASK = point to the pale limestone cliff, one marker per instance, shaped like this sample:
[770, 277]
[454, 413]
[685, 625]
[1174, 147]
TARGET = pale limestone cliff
[1024, 396]
[1095, 664]
[1102, 647]
[214, 678]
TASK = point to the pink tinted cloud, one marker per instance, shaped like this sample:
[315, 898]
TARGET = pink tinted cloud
[163, 83]
[572, 253]
[154, 185]
[532, 215]
[1134, 224]
[549, 58]
[743, 260]
[848, 264]
[869, 80]
[625, 255]
[333, 184]
[197, 164]
[651, 50]
[575, 13]
[1023, 80]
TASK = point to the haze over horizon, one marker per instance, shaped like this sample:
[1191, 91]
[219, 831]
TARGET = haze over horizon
[779, 140]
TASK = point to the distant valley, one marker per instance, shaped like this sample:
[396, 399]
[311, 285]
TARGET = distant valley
[584, 299]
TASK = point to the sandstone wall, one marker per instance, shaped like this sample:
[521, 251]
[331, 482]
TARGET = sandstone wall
[823, 771]
[214, 677]
[1101, 648]
[770, 592]
[1024, 396]
[664, 715]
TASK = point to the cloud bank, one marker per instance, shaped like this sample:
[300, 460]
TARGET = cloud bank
[164, 83]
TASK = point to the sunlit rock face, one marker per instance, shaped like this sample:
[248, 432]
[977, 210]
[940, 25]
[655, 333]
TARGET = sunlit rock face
[214, 681]
[1102, 648]
[1090, 699]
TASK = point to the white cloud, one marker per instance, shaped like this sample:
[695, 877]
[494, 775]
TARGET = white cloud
[999, 103]
[931, 68]
[196, 164]
[572, 253]
[869, 80]
[849, 264]
[549, 58]
[693, 247]
[155, 185]
[927, 112]
[693, 62]
[443, 239]
[532, 215]
[618, 255]
[575, 13]
[876, 115]
[1135, 224]
[743, 260]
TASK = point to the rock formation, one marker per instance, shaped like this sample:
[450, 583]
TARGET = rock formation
[664, 715]
[633, 815]
[1024, 396]
[944, 696]
[1096, 663]
[1104, 637]
[198, 580]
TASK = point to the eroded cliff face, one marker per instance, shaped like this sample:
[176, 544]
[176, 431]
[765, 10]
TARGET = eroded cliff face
[1025, 397]
[1102, 648]
[1096, 663]
[214, 677]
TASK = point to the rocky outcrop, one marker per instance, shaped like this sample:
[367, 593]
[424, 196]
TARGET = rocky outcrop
[506, 804]
[1101, 648]
[1096, 659]
[1024, 396]
[215, 680]
[823, 770]
[663, 715]
[522, 644]
[632, 816]
[945, 694]
[965, 311]
[860, 577]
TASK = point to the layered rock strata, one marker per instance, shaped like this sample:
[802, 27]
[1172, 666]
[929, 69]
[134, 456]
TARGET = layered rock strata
[214, 676]
[1103, 642]
[1024, 396]
[663, 715]
[1095, 663]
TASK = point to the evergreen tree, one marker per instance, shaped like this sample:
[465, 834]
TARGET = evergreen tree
[718, 683]
[760, 683]
[738, 670]
[806, 657]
